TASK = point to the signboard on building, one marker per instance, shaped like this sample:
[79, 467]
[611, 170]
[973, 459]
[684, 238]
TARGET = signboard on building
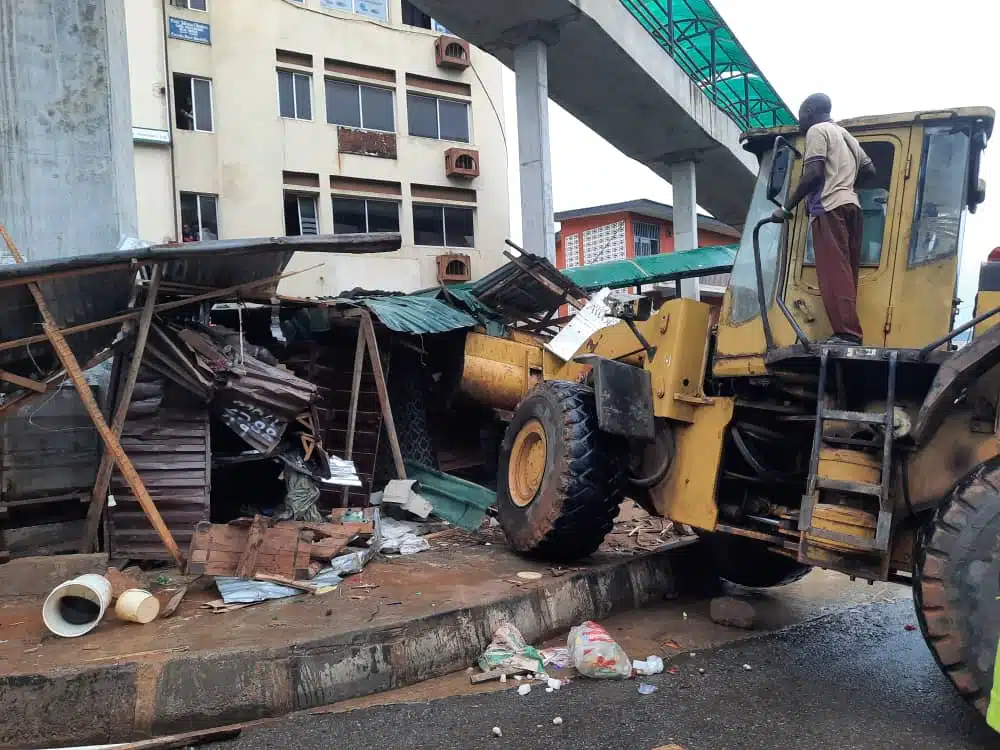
[190, 31]
[150, 135]
[439, 27]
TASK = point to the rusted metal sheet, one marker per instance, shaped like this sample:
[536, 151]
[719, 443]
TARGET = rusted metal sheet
[171, 450]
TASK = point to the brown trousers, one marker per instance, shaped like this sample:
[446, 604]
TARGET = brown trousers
[837, 239]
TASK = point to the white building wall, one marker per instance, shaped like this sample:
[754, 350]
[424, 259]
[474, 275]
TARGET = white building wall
[242, 161]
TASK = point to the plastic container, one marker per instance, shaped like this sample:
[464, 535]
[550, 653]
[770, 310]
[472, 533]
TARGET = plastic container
[74, 607]
[652, 665]
[137, 605]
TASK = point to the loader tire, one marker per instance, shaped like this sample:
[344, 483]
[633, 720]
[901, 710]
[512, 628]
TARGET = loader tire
[957, 583]
[750, 563]
[560, 479]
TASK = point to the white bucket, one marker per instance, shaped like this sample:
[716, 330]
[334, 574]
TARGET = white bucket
[74, 607]
[137, 605]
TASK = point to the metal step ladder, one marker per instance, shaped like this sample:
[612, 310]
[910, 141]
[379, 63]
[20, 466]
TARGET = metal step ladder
[883, 527]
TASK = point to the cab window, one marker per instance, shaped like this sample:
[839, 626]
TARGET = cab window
[937, 225]
[874, 200]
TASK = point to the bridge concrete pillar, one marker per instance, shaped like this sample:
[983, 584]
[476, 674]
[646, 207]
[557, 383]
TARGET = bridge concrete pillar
[531, 70]
[684, 182]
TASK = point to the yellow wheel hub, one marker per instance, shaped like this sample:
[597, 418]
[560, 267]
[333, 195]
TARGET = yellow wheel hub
[527, 463]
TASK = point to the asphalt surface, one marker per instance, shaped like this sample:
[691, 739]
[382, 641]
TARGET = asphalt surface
[858, 679]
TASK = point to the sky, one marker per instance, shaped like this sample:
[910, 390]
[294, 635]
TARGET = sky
[870, 56]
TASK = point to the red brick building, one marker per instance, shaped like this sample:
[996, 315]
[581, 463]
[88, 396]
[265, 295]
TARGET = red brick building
[633, 229]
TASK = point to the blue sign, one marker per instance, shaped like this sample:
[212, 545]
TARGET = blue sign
[438, 27]
[190, 31]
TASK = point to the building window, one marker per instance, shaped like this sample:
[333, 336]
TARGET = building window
[604, 243]
[359, 215]
[359, 106]
[193, 103]
[413, 16]
[377, 10]
[201, 5]
[571, 247]
[443, 226]
[646, 239]
[199, 217]
[300, 215]
[295, 95]
[434, 117]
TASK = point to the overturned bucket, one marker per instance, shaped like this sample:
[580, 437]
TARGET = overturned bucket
[74, 607]
[137, 605]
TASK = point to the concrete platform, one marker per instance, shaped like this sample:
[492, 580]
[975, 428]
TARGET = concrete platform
[428, 615]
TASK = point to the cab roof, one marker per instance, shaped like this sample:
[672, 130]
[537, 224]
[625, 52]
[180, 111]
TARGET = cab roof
[753, 139]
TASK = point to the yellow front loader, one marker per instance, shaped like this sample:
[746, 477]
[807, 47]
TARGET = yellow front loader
[879, 460]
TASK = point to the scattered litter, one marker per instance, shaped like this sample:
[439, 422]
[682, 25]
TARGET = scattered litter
[548, 690]
[685, 615]
[553, 683]
[403, 537]
[529, 575]
[175, 602]
[692, 654]
[238, 591]
[671, 643]
[524, 690]
[652, 665]
[161, 580]
[501, 673]
[557, 721]
[342, 473]
[557, 657]
[646, 689]
[596, 654]
[701, 670]
[518, 677]
[673, 670]
[503, 678]
[31, 650]
[403, 493]
[497, 732]
[747, 667]
[909, 628]
[509, 649]
[137, 605]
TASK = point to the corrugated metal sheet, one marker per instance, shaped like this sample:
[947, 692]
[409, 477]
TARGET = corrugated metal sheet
[417, 314]
[171, 450]
[618, 274]
[454, 500]
[515, 291]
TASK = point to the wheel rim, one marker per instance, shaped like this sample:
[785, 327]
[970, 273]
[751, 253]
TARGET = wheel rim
[527, 463]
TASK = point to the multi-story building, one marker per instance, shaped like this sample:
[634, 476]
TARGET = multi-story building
[270, 117]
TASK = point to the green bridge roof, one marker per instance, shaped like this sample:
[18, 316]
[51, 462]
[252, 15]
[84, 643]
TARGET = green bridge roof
[618, 274]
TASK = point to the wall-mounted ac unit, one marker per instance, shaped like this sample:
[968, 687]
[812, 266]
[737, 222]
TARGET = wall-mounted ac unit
[462, 163]
[454, 267]
[452, 52]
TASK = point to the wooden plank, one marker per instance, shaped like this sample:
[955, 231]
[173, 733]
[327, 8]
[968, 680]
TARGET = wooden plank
[23, 382]
[247, 565]
[99, 496]
[72, 367]
[383, 392]
[495, 674]
[197, 737]
[285, 581]
[352, 412]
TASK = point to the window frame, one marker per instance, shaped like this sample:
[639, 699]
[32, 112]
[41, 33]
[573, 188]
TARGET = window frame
[652, 242]
[913, 259]
[186, 4]
[361, 105]
[299, 196]
[437, 110]
[444, 226]
[295, 97]
[198, 199]
[365, 200]
[194, 107]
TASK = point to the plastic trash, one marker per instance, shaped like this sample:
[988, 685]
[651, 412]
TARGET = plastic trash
[557, 657]
[76, 606]
[497, 732]
[524, 690]
[553, 683]
[596, 654]
[137, 605]
[509, 649]
[652, 665]
[557, 721]
[747, 667]
[646, 689]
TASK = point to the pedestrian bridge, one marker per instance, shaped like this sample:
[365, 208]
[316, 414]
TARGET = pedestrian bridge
[664, 81]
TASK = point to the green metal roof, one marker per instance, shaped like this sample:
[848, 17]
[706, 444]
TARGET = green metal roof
[693, 33]
[617, 274]
[454, 500]
[410, 314]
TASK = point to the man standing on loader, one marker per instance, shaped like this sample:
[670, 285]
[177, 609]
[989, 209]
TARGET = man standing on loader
[834, 163]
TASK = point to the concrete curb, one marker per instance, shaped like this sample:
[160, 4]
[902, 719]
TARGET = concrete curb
[127, 701]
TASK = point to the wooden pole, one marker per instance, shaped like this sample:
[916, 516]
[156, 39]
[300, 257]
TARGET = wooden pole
[111, 443]
[99, 495]
[368, 329]
[352, 414]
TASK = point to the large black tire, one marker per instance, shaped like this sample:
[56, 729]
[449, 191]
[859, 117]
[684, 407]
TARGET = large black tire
[957, 583]
[581, 486]
[750, 563]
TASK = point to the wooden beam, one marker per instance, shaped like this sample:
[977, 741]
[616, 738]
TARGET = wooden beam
[99, 495]
[368, 329]
[111, 442]
[18, 380]
[352, 414]
[54, 379]
[131, 315]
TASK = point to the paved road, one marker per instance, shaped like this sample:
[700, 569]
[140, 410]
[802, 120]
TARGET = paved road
[854, 680]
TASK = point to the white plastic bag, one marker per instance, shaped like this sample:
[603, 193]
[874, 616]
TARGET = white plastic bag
[596, 654]
[652, 665]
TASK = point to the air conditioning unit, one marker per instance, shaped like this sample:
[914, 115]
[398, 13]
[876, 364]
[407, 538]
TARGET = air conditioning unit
[452, 52]
[454, 267]
[462, 163]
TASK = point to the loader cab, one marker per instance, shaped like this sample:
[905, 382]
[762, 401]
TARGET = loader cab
[927, 167]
